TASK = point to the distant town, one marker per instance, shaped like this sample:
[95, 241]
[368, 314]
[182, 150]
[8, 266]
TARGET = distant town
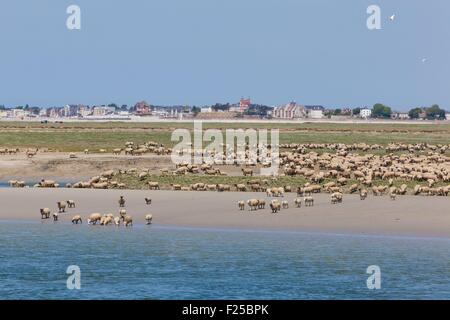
[243, 109]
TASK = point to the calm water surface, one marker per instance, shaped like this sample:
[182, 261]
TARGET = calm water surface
[174, 263]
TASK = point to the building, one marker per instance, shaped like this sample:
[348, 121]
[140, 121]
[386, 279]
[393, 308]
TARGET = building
[142, 108]
[314, 112]
[244, 104]
[365, 113]
[447, 115]
[289, 111]
[100, 111]
[400, 115]
[205, 109]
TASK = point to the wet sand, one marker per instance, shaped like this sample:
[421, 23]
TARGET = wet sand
[407, 216]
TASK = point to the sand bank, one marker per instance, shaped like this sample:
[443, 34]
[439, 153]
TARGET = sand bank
[407, 216]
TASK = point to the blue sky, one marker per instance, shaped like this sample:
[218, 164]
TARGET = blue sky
[206, 51]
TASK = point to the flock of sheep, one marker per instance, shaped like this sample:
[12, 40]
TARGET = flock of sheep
[332, 167]
[94, 218]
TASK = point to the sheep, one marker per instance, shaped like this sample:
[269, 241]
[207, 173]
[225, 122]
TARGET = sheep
[153, 185]
[117, 151]
[149, 219]
[94, 218]
[70, 203]
[121, 202]
[261, 204]
[298, 202]
[76, 219]
[105, 220]
[392, 195]
[353, 188]
[142, 176]
[241, 187]
[127, 221]
[363, 194]
[247, 172]
[45, 213]
[148, 201]
[241, 205]
[61, 206]
[55, 216]
[336, 197]
[285, 204]
[117, 221]
[309, 201]
[275, 206]
[253, 204]
[122, 213]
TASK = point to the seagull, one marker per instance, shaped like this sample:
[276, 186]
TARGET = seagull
[392, 18]
[424, 60]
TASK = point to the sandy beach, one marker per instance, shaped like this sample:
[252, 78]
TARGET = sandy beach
[407, 216]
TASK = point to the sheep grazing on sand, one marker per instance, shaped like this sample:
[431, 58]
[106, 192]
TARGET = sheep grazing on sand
[253, 204]
[148, 219]
[148, 201]
[298, 202]
[275, 206]
[70, 203]
[117, 221]
[261, 204]
[45, 213]
[121, 202]
[336, 197]
[122, 213]
[285, 204]
[61, 206]
[363, 194]
[76, 219]
[55, 216]
[309, 201]
[241, 205]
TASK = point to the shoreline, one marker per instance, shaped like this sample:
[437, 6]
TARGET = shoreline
[258, 230]
[408, 216]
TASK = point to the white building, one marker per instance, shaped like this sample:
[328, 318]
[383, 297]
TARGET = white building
[205, 109]
[314, 112]
[447, 115]
[365, 113]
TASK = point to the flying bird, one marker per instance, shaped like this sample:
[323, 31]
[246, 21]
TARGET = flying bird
[392, 18]
[424, 60]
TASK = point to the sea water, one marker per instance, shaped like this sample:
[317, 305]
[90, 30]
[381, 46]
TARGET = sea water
[155, 262]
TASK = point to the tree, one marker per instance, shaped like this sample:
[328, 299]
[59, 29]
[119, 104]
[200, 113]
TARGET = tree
[195, 110]
[113, 105]
[434, 112]
[356, 111]
[337, 112]
[415, 113]
[381, 111]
